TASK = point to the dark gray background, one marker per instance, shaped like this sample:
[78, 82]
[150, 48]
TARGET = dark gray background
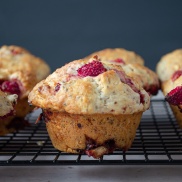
[60, 31]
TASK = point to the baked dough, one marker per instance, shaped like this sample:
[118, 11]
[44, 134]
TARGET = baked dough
[90, 107]
[117, 54]
[132, 64]
[168, 64]
[66, 91]
[19, 73]
[169, 69]
[7, 111]
[7, 103]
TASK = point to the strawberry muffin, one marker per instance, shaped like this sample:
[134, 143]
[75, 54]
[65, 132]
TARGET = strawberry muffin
[117, 55]
[90, 107]
[7, 103]
[132, 64]
[169, 70]
[20, 71]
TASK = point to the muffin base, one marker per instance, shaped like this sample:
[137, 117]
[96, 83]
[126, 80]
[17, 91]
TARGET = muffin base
[178, 114]
[94, 135]
[22, 108]
[12, 124]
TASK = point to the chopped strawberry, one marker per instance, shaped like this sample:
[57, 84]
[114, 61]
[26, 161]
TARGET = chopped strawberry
[118, 60]
[57, 87]
[10, 86]
[176, 75]
[96, 151]
[91, 69]
[174, 97]
[129, 82]
[16, 51]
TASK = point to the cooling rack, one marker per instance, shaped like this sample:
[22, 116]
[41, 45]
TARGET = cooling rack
[158, 141]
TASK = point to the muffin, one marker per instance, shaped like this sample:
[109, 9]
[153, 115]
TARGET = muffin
[7, 103]
[169, 69]
[90, 107]
[132, 64]
[119, 55]
[168, 64]
[20, 71]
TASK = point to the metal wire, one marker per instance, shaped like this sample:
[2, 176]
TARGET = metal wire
[158, 141]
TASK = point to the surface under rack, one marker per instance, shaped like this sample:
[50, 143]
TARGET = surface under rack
[158, 141]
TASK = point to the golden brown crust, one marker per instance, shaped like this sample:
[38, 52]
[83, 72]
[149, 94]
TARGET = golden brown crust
[7, 103]
[146, 77]
[178, 115]
[19, 65]
[171, 63]
[91, 113]
[168, 64]
[93, 134]
[105, 93]
[166, 67]
[169, 85]
[94, 111]
[133, 66]
[117, 53]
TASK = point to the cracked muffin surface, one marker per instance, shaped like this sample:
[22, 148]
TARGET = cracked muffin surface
[168, 64]
[132, 64]
[90, 107]
[114, 55]
[20, 71]
[7, 103]
[111, 91]
[169, 69]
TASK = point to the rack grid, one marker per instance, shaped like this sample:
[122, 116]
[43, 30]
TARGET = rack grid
[158, 141]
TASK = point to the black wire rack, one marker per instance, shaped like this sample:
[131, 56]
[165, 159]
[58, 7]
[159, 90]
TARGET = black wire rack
[158, 141]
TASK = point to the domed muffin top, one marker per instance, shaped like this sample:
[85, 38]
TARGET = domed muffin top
[169, 64]
[119, 55]
[90, 87]
[20, 70]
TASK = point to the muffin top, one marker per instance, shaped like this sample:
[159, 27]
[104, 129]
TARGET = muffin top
[90, 87]
[169, 64]
[119, 55]
[172, 89]
[7, 104]
[132, 64]
[146, 77]
[20, 70]
[173, 82]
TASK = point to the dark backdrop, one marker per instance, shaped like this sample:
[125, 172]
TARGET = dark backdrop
[60, 31]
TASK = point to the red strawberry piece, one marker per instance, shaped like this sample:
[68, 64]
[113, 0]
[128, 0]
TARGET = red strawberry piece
[57, 87]
[10, 86]
[129, 82]
[174, 97]
[118, 60]
[15, 51]
[176, 75]
[91, 69]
